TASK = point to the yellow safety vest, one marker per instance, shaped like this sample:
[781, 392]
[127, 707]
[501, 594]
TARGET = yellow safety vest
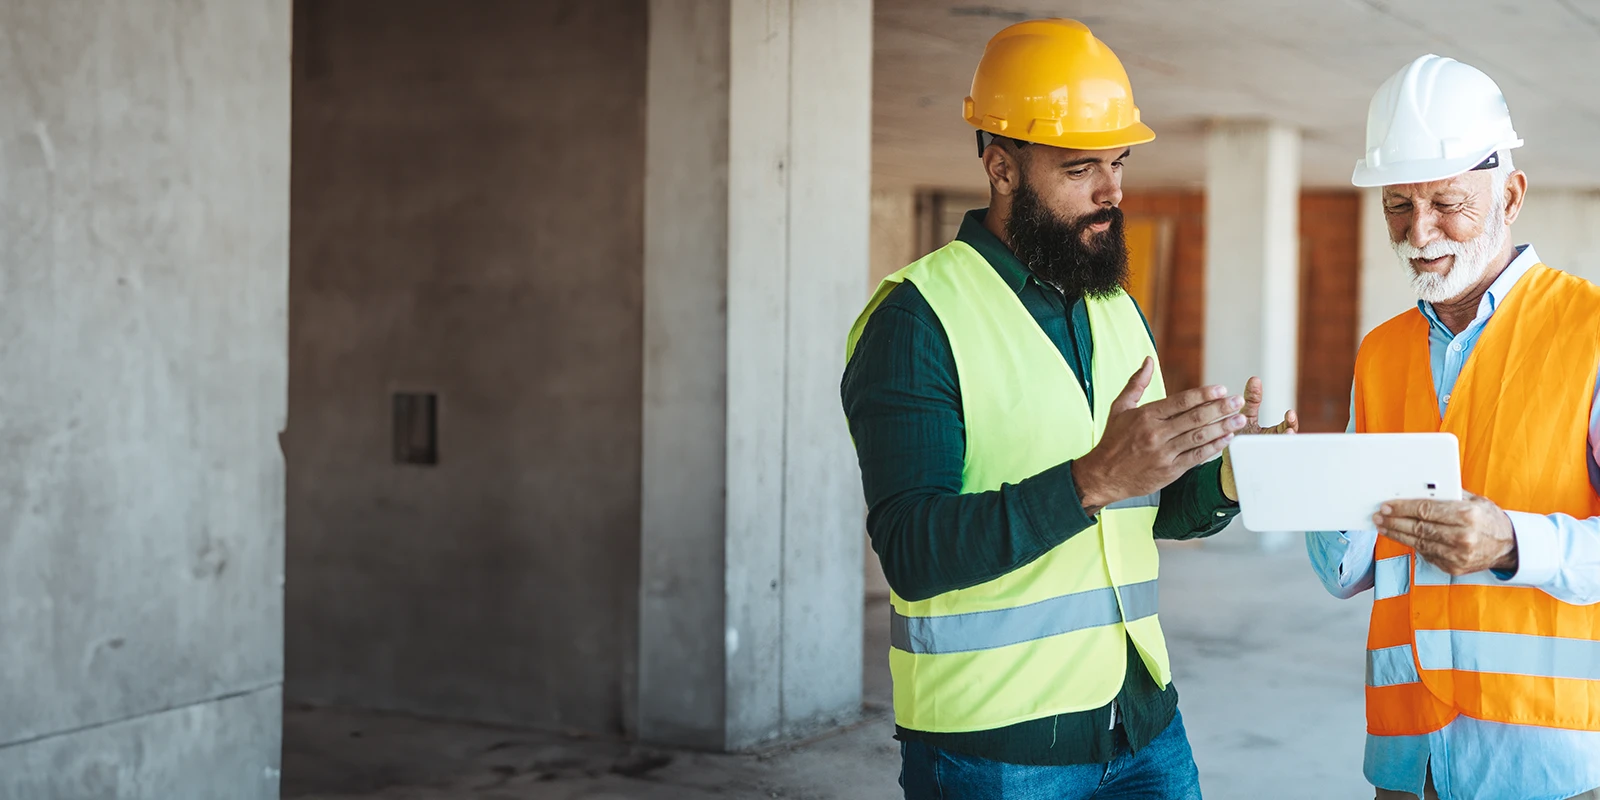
[1049, 637]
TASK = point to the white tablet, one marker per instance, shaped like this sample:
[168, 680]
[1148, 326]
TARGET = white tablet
[1337, 481]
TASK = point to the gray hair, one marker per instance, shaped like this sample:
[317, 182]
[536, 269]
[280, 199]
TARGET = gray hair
[1498, 178]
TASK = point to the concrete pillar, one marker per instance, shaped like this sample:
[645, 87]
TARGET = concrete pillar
[756, 252]
[1252, 259]
[144, 180]
[1252, 264]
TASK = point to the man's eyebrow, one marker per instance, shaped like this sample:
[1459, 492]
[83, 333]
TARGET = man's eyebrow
[1078, 162]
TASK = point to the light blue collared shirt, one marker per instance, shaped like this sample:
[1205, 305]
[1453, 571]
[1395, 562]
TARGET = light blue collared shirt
[1473, 759]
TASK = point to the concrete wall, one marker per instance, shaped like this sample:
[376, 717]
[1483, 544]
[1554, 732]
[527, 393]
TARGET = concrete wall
[1564, 226]
[144, 168]
[467, 221]
[894, 233]
[1385, 290]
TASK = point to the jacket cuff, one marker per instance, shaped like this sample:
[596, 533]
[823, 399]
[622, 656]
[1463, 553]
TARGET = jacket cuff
[1210, 495]
[1052, 505]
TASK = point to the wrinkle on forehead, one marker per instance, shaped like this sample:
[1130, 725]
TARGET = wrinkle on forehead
[1467, 186]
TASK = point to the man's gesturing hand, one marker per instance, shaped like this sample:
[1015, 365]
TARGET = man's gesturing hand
[1147, 447]
[1253, 395]
[1252, 416]
[1457, 536]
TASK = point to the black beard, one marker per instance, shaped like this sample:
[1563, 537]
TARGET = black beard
[1056, 252]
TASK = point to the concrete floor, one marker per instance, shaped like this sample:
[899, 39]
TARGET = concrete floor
[1269, 667]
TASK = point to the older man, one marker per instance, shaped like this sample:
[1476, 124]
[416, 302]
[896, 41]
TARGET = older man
[1483, 656]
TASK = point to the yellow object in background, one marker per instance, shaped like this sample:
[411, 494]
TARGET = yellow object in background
[1143, 246]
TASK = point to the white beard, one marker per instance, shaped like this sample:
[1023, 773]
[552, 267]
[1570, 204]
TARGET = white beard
[1471, 261]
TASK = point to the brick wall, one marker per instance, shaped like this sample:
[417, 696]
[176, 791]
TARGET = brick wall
[1330, 308]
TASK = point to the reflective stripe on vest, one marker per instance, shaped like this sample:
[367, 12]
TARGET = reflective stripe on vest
[1002, 627]
[1147, 501]
[1050, 637]
[1392, 666]
[1509, 654]
[1442, 645]
[1392, 577]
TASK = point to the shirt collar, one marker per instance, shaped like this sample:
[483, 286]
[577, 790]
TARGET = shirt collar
[1519, 266]
[994, 251]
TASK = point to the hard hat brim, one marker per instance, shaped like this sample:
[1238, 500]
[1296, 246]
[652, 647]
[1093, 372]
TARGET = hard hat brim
[1137, 133]
[1436, 169]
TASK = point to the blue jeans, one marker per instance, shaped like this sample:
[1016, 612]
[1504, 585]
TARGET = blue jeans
[1163, 770]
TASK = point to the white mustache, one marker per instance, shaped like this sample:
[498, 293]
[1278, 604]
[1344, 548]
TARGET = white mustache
[1435, 249]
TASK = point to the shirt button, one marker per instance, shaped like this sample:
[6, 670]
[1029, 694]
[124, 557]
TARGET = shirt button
[1456, 346]
[1447, 399]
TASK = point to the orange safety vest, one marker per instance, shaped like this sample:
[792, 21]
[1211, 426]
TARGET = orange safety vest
[1440, 646]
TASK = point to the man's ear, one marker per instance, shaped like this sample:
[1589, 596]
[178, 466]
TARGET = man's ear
[1516, 192]
[1003, 166]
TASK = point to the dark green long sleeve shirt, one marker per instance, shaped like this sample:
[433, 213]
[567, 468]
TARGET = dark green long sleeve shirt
[902, 397]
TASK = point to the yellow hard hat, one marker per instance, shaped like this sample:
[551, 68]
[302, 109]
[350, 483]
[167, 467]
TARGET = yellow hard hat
[1049, 81]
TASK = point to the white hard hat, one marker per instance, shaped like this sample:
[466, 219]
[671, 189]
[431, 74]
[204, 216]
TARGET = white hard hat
[1435, 119]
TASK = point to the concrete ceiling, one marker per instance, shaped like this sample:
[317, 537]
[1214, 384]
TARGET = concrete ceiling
[1313, 64]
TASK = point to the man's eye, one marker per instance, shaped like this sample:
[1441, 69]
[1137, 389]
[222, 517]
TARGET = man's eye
[1079, 172]
[1397, 209]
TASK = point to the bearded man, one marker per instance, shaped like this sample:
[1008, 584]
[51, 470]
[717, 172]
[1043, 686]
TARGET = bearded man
[1020, 456]
[1483, 655]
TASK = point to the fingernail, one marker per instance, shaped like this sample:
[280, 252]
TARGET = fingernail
[1236, 421]
[1215, 392]
[1235, 401]
[1387, 509]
